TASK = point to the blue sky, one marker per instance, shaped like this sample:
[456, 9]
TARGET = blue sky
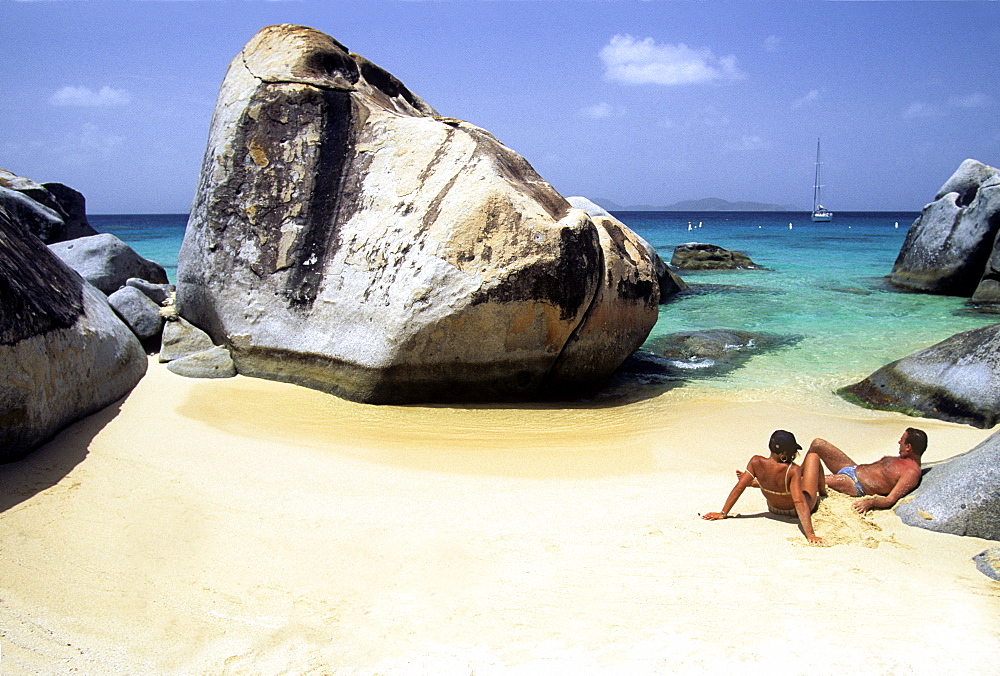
[635, 102]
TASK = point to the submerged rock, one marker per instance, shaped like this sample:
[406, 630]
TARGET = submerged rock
[52, 212]
[347, 238]
[698, 256]
[107, 262]
[960, 496]
[957, 380]
[711, 352]
[63, 351]
[947, 248]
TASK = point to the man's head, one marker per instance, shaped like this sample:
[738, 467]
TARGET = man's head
[783, 445]
[915, 440]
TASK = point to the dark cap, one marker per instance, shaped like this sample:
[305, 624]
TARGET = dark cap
[783, 440]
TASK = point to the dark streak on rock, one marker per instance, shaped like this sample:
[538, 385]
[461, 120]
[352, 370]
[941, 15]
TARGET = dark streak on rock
[38, 293]
[559, 282]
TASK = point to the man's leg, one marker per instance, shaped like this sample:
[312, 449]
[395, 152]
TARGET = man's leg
[835, 460]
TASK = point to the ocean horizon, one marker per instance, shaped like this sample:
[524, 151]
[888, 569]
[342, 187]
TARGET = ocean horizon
[821, 293]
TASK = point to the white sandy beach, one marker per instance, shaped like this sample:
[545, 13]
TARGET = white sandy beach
[249, 527]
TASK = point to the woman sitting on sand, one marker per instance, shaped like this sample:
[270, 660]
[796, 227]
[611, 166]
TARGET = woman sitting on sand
[790, 490]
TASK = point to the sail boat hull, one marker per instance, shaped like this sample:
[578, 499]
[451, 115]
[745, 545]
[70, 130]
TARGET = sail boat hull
[822, 216]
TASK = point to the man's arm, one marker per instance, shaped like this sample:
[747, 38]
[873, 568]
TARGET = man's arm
[908, 480]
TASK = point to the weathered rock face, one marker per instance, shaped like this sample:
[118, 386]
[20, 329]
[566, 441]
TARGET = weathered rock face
[698, 256]
[347, 238]
[960, 496]
[958, 380]
[52, 211]
[107, 262]
[669, 282]
[138, 312]
[63, 352]
[948, 246]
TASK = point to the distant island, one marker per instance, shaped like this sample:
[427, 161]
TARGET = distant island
[707, 204]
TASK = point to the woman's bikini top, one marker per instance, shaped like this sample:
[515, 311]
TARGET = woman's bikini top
[766, 491]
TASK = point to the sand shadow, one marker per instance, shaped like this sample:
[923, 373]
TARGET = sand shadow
[47, 465]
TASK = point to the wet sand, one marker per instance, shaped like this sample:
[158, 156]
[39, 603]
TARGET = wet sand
[248, 527]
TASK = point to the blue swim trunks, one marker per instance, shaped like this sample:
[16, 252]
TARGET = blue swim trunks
[851, 471]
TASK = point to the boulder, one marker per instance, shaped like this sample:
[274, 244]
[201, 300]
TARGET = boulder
[181, 338]
[957, 380]
[960, 496]
[63, 351]
[947, 248]
[107, 262]
[138, 312]
[52, 211]
[698, 256]
[214, 362]
[158, 293]
[668, 281]
[347, 238]
[988, 562]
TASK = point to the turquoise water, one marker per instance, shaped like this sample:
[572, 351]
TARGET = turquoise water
[823, 286]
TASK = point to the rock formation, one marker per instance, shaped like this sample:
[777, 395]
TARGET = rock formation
[960, 496]
[958, 380]
[107, 262]
[669, 282]
[697, 256]
[347, 238]
[948, 248]
[63, 351]
[52, 211]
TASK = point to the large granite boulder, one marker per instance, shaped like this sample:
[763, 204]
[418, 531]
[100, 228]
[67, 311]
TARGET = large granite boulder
[669, 281]
[63, 352]
[947, 248]
[107, 262]
[52, 211]
[960, 496]
[347, 238]
[699, 256]
[957, 380]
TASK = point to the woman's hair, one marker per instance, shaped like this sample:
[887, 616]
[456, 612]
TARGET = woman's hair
[783, 445]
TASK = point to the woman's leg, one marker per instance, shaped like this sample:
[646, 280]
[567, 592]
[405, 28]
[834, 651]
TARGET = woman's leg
[813, 480]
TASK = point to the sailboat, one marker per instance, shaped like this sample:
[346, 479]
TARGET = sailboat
[819, 213]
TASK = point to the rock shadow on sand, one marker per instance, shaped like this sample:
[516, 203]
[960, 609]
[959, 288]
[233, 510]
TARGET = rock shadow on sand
[50, 463]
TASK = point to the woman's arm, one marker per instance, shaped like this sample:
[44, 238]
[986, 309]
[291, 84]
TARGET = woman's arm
[741, 485]
[802, 507]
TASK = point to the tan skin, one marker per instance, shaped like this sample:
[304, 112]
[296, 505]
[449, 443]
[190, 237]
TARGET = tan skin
[805, 485]
[885, 481]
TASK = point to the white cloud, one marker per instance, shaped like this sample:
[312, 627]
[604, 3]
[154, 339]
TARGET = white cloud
[633, 61]
[813, 95]
[748, 143]
[975, 100]
[83, 96]
[919, 109]
[772, 43]
[601, 111]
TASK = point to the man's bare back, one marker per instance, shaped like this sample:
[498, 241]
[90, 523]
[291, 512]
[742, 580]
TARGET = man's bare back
[886, 480]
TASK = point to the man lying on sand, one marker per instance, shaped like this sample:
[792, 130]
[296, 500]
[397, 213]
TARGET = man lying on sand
[886, 480]
[789, 490]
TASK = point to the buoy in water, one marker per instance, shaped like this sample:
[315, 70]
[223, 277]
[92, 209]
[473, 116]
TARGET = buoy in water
[789, 226]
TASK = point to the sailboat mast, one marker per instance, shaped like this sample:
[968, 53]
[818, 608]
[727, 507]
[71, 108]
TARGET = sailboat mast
[816, 185]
